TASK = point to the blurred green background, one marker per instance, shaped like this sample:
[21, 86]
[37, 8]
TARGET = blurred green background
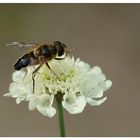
[107, 35]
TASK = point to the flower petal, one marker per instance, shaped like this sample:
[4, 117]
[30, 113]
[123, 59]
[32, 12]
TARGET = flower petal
[108, 84]
[96, 70]
[76, 107]
[46, 111]
[7, 94]
[18, 100]
[95, 93]
[93, 102]
[18, 76]
[33, 101]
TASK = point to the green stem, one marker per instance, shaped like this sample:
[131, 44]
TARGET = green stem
[60, 116]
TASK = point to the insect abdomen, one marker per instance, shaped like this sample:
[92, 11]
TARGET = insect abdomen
[23, 62]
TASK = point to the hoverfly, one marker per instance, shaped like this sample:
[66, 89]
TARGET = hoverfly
[39, 55]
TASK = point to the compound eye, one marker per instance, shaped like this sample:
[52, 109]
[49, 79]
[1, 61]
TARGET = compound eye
[60, 47]
[57, 43]
[64, 45]
[60, 51]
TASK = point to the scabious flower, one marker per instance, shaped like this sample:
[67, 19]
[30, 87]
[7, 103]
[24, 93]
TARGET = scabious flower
[78, 84]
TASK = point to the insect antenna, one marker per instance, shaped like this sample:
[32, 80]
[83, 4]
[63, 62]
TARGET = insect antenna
[68, 50]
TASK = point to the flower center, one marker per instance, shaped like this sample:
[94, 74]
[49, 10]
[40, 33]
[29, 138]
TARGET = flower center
[66, 76]
[58, 75]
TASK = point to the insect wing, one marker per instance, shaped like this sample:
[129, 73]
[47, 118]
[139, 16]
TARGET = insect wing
[22, 45]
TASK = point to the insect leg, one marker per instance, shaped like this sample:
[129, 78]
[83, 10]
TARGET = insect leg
[69, 51]
[52, 70]
[35, 71]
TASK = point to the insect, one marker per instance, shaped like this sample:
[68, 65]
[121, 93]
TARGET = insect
[39, 55]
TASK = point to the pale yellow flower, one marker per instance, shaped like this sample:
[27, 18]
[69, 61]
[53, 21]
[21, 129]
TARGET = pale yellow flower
[78, 83]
